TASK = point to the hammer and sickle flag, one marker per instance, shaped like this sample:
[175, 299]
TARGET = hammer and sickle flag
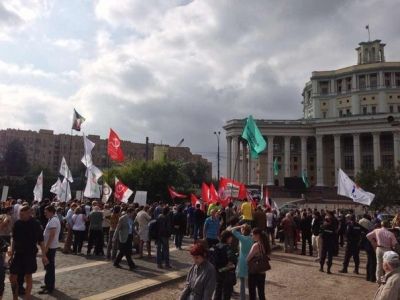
[114, 147]
[122, 192]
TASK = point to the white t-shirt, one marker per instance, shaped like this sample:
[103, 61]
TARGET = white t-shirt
[270, 219]
[106, 218]
[79, 222]
[54, 222]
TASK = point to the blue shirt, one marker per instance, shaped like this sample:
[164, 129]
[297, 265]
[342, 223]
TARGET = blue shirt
[211, 228]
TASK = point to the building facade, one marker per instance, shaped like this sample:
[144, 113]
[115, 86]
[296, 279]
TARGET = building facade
[46, 149]
[344, 126]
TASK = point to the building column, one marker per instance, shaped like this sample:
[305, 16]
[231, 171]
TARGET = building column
[338, 155]
[245, 163]
[234, 160]
[356, 149]
[287, 156]
[320, 160]
[270, 162]
[238, 168]
[229, 157]
[304, 153]
[396, 140]
[377, 149]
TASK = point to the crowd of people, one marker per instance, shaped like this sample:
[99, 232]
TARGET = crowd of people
[228, 242]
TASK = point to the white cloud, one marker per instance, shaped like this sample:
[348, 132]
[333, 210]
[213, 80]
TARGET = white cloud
[72, 45]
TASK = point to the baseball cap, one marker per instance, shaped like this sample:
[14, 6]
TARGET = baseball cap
[390, 256]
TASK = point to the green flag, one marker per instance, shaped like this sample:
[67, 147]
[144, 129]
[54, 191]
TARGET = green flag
[253, 136]
[276, 167]
[305, 178]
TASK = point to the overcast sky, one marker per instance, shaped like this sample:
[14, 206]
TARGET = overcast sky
[172, 69]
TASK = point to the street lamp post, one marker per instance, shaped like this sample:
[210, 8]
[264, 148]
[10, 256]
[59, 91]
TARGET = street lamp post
[217, 134]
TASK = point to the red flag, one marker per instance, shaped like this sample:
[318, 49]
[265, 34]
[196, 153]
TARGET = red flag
[214, 197]
[243, 192]
[174, 194]
[122, 192]
[194, 200]
[205, 193]
[228, 188]
[265, 196]
[114, 147]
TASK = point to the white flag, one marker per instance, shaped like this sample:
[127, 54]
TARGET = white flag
[65, 191]
[87, 156]
[95, 171]
[346, 187]
[38, 190]
[92, 189]
[64, 171]
[107, 191]
[56, 188]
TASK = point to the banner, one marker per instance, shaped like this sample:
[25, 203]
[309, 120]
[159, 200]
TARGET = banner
[4, 193]
[77, 121]
[140, 197]
[347, 187]
[92, 188]
[87, 156]
[205, 193]
[38, 190]
[114, 149]
[65, 191]
[254, 138]
[175, 194]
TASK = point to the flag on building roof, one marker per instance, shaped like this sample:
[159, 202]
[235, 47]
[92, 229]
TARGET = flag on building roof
[38, 190]
[254, 138]
[347, 187]
[77, 121]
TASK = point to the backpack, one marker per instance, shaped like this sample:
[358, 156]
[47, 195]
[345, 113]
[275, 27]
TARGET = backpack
[153, 229]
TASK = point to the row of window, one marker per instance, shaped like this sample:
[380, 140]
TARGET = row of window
[363, 81]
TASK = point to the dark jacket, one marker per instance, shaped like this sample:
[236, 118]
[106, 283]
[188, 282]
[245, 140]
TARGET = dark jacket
[305, 225]
[164, 226]
[179, 222]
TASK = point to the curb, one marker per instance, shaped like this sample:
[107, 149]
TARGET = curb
[139, 287]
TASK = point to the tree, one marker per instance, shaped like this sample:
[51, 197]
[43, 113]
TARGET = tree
[15, 161]
[384, 183]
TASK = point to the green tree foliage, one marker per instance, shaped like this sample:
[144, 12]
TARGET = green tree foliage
[384, 183]
[15, 161]
[154, 177]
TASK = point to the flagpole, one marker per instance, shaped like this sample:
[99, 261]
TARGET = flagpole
[69, 160]
[87, 171]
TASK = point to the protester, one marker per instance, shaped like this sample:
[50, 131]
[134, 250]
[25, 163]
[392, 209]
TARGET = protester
[163, 235]
[389, 289]
[245, 244]
[211, 229]
[327, 230]
[124, 232]
[257, 280]
[69, 225]
[26, 234]
[271, 224]
[259, 219]
[143, 219]
[316, 237]
[199, 218]
[289, 229]
[247, 212]
[96, 236]
[78, 230]
[179, 225]
[305, 227]
[112, 245]
[106, 222]
[201, 279]
[368, 226]
[353, 237]
[382, 240]
[51, 234]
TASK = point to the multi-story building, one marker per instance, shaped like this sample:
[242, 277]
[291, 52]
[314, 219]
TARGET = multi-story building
[46, 149]
[344, 126]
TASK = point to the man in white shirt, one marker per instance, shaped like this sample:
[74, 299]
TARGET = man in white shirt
[51, 234]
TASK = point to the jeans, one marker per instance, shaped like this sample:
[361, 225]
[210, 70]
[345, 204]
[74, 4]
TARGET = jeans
[125, 249]
[96, 238]
[224, 287]
[163, 251]
[242, 288]
[257, 282]
[50, 277]
[2, 274]
[112, 246]
[178, 240]
[79, 235]
[197, 231]
[328, 248]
